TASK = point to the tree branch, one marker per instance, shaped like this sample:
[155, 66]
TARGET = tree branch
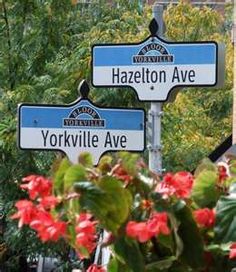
[8, 36]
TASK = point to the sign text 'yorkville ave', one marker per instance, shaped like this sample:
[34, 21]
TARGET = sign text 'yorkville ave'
[80, 127]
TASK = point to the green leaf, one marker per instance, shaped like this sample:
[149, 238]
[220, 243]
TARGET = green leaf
[232, 188]
[174, 226]
[74, 206]
[118, 200]
[91, 198]
[166, 241]
[206, 164]
[116, 266]
[225, 228]
[74, 174]
[129, 162]
[204, 191]
[113, 265]
[219, 249]
[85, 158]
[129, 251]
[108, 201]
[232, 166]
[105, 164]
[192, 241]
[71, 231]
[58, 183]
[160, 265]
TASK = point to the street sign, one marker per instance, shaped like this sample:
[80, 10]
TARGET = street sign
[154, 67]
[80, 127]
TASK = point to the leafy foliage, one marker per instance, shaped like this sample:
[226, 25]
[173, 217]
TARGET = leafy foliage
[108, 201]
[130, 254]
[226, 221]
[205, 193]
[151, 231]
[189, 234]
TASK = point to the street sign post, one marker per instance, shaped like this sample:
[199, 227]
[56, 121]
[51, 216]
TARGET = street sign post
[80, 127]
[154, 67]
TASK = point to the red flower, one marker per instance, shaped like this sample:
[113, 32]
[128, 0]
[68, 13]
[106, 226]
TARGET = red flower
[54, 232]
[48, 202]
[42, 219]
[84, 217]
[144, 231]
[96, 268]
[223, 170]
[183, 183]
[179, 185]
[39, 220]
[138, 230]
[86, 235]
[205, 217]
[232, 253]
[26, 212]
[37, 186]
[48, 228]
[120, 173]
[158, 224]
[165, 189]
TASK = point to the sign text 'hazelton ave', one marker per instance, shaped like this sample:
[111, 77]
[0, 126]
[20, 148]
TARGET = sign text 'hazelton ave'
[154, 67]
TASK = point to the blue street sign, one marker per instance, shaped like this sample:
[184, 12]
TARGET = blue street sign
[154, 67]
[80, 127]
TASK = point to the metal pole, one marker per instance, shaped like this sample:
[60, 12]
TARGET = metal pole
[155, 112]
[154, 116]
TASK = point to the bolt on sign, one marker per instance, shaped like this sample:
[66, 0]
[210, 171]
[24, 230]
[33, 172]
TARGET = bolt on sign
[154, 67]
[80, 127]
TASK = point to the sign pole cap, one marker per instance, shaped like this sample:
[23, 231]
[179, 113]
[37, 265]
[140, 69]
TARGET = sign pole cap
[153, 27]
[83, 89]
